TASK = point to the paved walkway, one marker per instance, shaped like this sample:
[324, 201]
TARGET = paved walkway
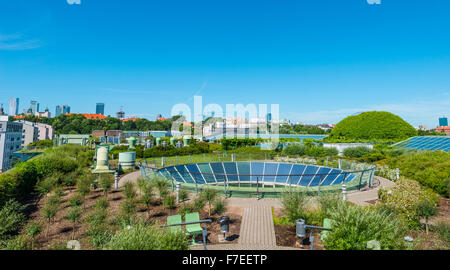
[362, 197]
[257, 226]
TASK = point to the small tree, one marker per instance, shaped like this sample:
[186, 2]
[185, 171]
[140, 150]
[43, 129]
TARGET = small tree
[32, 230]
[426, 209]
[84, 188]
[162, 185]
[74, 216]
[130, 192]
[169, 202]
[142, 183]
[147, 197]
[49, 212]
[106, 183]
[183, 195]
[209, 195]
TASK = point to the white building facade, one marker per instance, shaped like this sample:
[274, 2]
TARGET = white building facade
[10, 141]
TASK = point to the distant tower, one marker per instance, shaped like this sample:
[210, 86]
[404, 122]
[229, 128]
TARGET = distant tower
[34, 106]
[443, 122]
[121, 114]
[65, 109]
[100, 108]
[13, 106]
[58, 111]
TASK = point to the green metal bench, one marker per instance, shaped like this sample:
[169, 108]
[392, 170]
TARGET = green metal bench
[193, 229]
[327, 223]
[174, 220]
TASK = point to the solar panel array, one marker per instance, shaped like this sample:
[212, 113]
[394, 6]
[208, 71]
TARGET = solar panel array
[427, 143]
[251, 172]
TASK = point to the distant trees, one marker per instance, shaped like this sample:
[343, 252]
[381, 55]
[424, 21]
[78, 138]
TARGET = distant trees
[78, 124]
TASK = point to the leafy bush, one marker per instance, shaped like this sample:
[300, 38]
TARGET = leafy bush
[405, 198]
[129, 191]
[354, 226]
[186, 208]
[140, 236]
[294, 205]
[76, 200]
[357, 152]
[12, 218]
[443, 230]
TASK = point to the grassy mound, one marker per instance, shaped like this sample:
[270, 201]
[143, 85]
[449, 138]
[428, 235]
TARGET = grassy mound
[372, 126]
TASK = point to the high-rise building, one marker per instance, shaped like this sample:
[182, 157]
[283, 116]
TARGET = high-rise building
[34, 106]
[13, 106]
[100, 108]
[58, 111]
[62, 109]
[443, 122]
[65, 109]
[269, 117]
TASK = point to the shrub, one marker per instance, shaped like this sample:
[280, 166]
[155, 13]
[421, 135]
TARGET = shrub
[219, 206]
[129, 191]
[21, 242]
[102, 204]
[199, 204]
[183, 195]
[128, 208]
[186, 208]
[430, 168]
[169, 201]
[405, 197]
[294, 205]
[76, 200]
[295, 149]
[354, 226]
[11, 218]
[443, 230]
[356, 152]
[140, 236]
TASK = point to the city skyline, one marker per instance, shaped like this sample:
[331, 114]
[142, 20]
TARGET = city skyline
[320, 62]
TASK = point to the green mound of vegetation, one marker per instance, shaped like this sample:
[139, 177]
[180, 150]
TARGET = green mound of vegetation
[372, 126]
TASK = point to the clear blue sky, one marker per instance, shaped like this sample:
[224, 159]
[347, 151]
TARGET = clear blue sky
[321, 60]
